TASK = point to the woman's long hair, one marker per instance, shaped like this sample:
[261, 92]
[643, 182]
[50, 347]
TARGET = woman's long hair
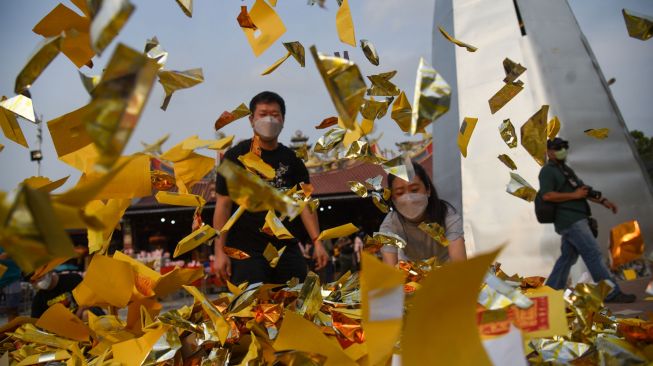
[436, 209]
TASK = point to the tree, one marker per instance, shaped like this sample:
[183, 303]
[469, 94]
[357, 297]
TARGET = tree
[644, 146]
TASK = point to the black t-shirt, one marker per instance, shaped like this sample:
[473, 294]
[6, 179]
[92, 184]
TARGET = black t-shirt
[61, 293]
[246, 233]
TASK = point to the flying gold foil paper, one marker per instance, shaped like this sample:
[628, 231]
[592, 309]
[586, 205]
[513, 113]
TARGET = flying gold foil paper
[503, 96]
[435, 231]
[180, 199]
[626, 243]
[552, 128]
[358, 188]
[228, 117]
[254, 163]
[274, 227]
[19, 105]
[108, 21]
[344, 83]
[534, 135]
[330, 139]
[402, 112]
[162, 181]
[386, 238]
[296, 49]
[44, 184]
[431, 99]
[244, 19]
[269, 27]
[253, 193]
[176, 80]
[380, 202]
[345, 24]
[276, 64]
[195, 143]
[381, 84]
[89, 81]
[507, 161]
[235, 253]
[519, 187]
[338, 231]
[372, 109]
[598, 133]
[327, 122]
[370, 52]
[401, 166]
[194, 239]
[219, 322]
[309, 300]
[465, 133]
[508, 134]
[272, 254]
[458, 43]
[154, 50]
[639, 26]
[186, 6]
[69, 133]
[9, 110]
[559, 351]
[45, 53]
[118, 101]
[512, 69]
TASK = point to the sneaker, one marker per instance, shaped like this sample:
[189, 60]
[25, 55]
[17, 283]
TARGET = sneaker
[621, 297]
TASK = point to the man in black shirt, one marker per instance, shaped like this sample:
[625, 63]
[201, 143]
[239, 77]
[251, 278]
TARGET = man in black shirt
[267, 118]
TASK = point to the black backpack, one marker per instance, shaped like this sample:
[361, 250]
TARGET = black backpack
[544, 211]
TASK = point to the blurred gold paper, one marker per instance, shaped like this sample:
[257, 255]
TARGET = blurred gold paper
[274, 227]
[296, 49]
[10, 127]
[382, 303]
[162, 181]
[269, 27]
[19, 105]
[344, 83]
[276, 64]
[639, 26]
[60, 321]
[244, 19]
[513, 70]
[435, 231]
[195, 143]
[598, 133]
[272, 255]
[109, 214]
[69, 131]
[508, 133]
[458, 43]
[402, 112]
[45, 53]
[358, 188]
[338, 231]
[345, 24]
[235, 253]
[89, 81]
[327, 122]
[432, 97]
[133, 181]
[173, 280]
[330, 139]
[372, 109]
[626, 243]
[552, 128]
[534, 134]
[254, 163]
[176, 80]
[180, 199]
[41, 358]
[381, 84]
[232, 220]
[134, 352]
[453, 338]
[44, 184]
[519, 187]
[108, 21]
[370, 52]
[228, 117]
[191, 170]
[507, 161]
[504, 95]
[218, 320]
[97, 288]
[186, 6]
[401, 166]
[465, 133]
[194, 239]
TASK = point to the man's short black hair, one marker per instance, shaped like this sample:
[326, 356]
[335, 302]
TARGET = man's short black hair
[268, 97]
[557, 143]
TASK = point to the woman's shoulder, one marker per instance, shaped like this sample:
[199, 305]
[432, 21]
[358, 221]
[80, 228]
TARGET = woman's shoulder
[390, 219]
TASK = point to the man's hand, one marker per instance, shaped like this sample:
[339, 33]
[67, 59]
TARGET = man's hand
[581, 192]
[197, 221]
[320, 255]
[222, 266]
[609, 205]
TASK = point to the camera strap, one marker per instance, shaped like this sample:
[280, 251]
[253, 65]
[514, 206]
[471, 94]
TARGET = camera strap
[573, 181]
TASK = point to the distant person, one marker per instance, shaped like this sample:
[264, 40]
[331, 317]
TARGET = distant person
[346, 257]
[56, 287]
[415, 202]
[267, 119]
[560, 185]
[10, 285]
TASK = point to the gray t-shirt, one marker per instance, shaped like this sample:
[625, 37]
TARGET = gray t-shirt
[419, 245]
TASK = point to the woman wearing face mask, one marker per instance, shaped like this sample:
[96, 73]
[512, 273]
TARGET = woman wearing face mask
[415, 202]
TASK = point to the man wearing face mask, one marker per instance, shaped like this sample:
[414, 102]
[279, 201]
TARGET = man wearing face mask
[267, 119]
[560, 185]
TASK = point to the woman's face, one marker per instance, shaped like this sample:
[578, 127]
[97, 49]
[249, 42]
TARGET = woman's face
[401, 187]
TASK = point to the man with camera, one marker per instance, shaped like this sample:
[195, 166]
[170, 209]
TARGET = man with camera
[567, 196]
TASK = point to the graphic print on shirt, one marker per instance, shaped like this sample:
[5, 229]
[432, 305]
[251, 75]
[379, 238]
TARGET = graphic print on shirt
[279, 180]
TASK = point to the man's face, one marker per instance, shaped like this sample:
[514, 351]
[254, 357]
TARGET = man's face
[266, 109]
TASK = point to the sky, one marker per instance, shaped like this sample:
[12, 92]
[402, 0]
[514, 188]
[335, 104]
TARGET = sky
[400, 30]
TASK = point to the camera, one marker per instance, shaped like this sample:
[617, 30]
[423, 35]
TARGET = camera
[591, 193]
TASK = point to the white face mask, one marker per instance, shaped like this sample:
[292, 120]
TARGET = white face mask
[561, 154]
[411, 205]
[268, 128]
[44, 282]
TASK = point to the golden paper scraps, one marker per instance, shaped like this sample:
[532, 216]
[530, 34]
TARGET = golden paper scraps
[465, 133]
[180, 199]
[552, 128]
[370, 52]
[218, 320]
[191, 170]
[327, 122]
[44, 184]
[269, 27]
[244, 19]
[458, 43]
[299, 334]
[60, 321]
[345, 24]
[176, 80]
[454, 337]
[254, 163]
[330, 139]
[534, 135]
[274, 227]
[276, 64]
[507, 161]
[626, 243]
[234, 253]
[401, 166]
[109, 214]
[228, 117]
[376, 183]
[295, 49]
[519, 187]
[232, 220]
[513, 70]
[19, 105]
[508, 134]
[358, 188]
[89, 81]
[435, 231]
[598, 133]
[194, 239]
[402, 112]
[503, 96]
[132, 181]
[44, 357]
[372, 109]
[344, 83]
[338, 231]
[69, 131]
[309, 299]
[2, 147]
[382, 302]
[108, 21]
[221, 144]
[639, 26]
[10, 127]
[186, 6]
[134, 352]
[432, 97]
[155, 51]
[381, 84]
[162, 181]
[181, 151]
[272, 254]
[173, 281]
[44, 54]
[97, 288]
